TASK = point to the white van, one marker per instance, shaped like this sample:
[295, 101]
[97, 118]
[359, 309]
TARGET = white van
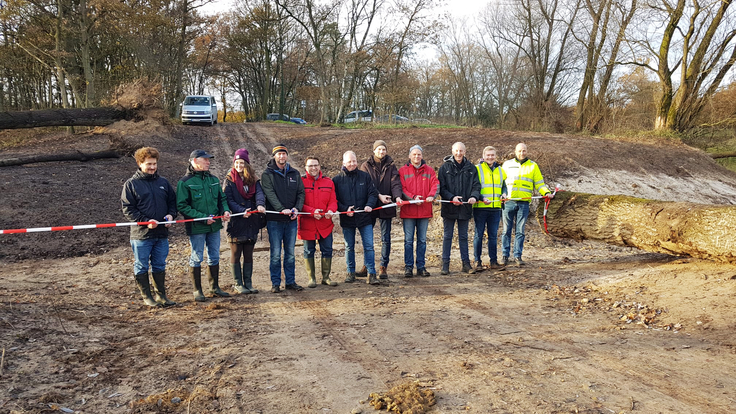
[366, 115]
[199, 108]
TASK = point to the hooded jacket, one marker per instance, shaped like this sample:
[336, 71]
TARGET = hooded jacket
[458, 179]
[385, 177]
[319, 194]
[147, 197]
[199, 195]
[422, 182]
[355, 188]
[283, 190]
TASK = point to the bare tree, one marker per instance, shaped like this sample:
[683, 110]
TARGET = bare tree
[696, 42]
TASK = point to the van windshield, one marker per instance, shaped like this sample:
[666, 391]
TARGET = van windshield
[197, 100]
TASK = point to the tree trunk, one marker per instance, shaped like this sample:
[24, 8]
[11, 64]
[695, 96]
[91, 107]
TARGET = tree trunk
[72, 156]
[697, 230]
[61, 117]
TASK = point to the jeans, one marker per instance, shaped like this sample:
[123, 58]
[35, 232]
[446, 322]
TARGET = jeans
[325, 247]
[155, 250]
[385, 240]
[366, 234]
[514, 211]
[462, 235]
[410, 226]
[486, 218]
[282, 233]
[198, 241]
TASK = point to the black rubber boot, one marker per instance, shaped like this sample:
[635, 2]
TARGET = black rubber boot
[215, 282]
[144, 286]
[196, 274]
[159, 288]
[248, 277]
[326, 263]
[309, 264]
[237, 272]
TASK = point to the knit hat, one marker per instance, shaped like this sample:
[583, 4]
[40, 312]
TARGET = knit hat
[242, 154]
[416, 147]
[279, 148]
[378, 143]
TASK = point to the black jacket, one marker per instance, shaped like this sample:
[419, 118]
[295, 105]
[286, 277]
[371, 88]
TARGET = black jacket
[355, 188]
[458, 180]
[283, 190]
[147, 197]
[240, 228]
[385, 177]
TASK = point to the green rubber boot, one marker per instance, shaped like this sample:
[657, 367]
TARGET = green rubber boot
[326, 264]
[248, 277]
[215, 282]
[237, 272]
[196, 274]
[144, 286]
[309, 264]
[159, 288]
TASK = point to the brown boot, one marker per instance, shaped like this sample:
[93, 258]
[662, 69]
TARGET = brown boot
[382, 273]
[363, 272]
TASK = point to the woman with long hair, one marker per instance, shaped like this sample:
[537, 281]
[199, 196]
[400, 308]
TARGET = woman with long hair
[244, 195]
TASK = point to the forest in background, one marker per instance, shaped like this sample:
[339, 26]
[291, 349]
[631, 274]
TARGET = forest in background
[593, 66]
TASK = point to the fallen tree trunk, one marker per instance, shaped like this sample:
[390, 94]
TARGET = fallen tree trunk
[72, 156]
[697, 230]
[62, 117]
[723, 155]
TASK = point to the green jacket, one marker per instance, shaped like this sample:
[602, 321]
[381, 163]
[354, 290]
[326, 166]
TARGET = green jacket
[199, 195]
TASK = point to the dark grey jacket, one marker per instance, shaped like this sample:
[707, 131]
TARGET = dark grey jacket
[458, 180]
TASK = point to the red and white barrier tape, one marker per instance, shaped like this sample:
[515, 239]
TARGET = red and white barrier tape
[145, 223]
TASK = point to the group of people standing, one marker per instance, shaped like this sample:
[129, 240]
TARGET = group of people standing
[291, 205]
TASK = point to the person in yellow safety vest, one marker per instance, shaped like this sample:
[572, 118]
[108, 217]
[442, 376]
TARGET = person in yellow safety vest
[522, 179]
[487, 211]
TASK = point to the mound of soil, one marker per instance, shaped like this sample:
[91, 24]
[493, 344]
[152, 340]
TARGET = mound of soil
[583, 327]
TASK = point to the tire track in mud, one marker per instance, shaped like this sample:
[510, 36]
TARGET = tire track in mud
[579, 361]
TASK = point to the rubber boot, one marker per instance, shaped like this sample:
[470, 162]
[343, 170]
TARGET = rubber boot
[144, 287]
[159, 288]
[215, 282]
[238, 277]
[248, 277]
[196, 274]
[326, 263]
[309, 264]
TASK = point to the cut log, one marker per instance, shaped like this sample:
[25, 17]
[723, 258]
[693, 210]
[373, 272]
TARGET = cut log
[697, 230]
[62, 117]
[72, 156]
[723, 155]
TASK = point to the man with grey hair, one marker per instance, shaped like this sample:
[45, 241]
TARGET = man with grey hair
[355, 191]
[418, 183]
[458, 183]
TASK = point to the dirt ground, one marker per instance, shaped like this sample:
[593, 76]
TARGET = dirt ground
[583, 328]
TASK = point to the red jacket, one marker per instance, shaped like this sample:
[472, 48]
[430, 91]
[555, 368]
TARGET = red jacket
[319, 195]
[422, 182]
